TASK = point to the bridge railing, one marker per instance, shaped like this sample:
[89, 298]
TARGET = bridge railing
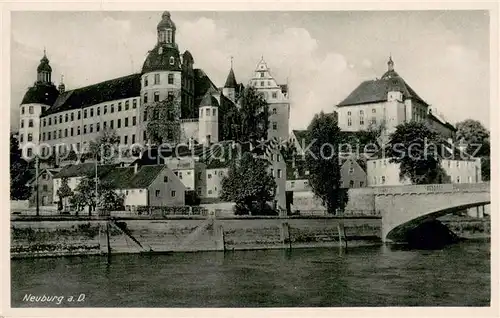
[433, 188]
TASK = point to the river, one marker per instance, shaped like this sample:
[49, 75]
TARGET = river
[457, 275]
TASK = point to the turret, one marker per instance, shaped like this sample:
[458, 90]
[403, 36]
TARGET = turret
[231, 85]
[61, 88]
[208, 132]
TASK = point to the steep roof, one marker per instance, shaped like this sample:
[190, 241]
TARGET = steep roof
[209, 100]
[231, 80]
[118, 88]
[374, 91]
[84, 169]
[162, 57]
[202, 85]
[41, 93]
[126, 178]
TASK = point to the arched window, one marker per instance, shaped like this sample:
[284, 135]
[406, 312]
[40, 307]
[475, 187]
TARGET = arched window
[172, 60]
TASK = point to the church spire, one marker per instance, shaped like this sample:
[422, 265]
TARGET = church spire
[390, 63]
[231, 79]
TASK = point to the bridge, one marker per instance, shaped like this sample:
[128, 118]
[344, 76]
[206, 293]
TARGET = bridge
[405, 207]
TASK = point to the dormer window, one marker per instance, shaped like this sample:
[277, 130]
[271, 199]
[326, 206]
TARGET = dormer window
[172, 60]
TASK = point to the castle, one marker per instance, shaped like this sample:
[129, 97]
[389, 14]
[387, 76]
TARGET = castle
[52, 117]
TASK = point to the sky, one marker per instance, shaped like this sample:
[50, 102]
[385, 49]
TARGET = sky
[323, 55]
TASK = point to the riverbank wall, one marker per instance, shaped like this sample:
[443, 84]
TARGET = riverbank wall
[40, 238]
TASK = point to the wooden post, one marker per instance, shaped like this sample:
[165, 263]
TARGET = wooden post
[108, 245]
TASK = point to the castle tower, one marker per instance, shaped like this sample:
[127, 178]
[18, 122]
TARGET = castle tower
[37, 99]
[395, 110]
[231, 85]
[161, 72]
[277, 98]
[208, 132]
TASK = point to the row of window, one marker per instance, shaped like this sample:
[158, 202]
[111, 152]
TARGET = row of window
[70, 132]
[263, 84]
[30, 123]
[351, 184]
[278, 173]
[30, 110]
[156, 77]
[207, 112]
[88, 112]
[158, 193]
[156, 96]
[362, 112]
[382, 180]
[179, 174]
[292, 184]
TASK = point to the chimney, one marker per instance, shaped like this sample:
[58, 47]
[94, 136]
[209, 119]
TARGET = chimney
[136, 167]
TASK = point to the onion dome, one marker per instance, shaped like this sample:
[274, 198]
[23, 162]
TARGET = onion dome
[162, 58]
[166, 22]
[41, 93]
[44, 65]
[209, 100]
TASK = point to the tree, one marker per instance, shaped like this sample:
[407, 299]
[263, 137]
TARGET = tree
[85, 195]
[254, 115]
[322, 162]
[475, 136]
[415, 148]
[248, 184]
[163, 120]
[64, 192]
[18, 172]
[105, 147]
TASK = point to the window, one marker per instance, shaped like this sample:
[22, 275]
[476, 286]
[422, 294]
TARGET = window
[374, 120]
[157, 79]
[275, 95]
[30, 123]
[279, 173]
[30, 137]
[118, 123]
[60, 119]
[261, 74]
[43, 136]
[374, 180]
[72, 116]
[351, 184]
[199, 175]
[44, 122]
[50, 121]
[361, 121]
[209, 176]
[91, 128]
[44, 187]
[92, 112]
[172, 60]
[277, 158]
[145, 81]
[157, 193]
[458, 179]
[145, 115]
[30, 152]
[349, 121]
[351, 170]
[171, 78]
[127, 105]
[134, 104]
[125, 139]
[84, 129]
[97, 127]
[60, 133]
[172, 193]
[120, 106]
[78, 131]
[180, 174]
[156, 96]
[374, 110]
[458, 164]
[361, 184]
[71, 131]
[165, 179]
[84, 113]
[261, 83]
[105, 110]
[31, 109]
[111, 126]
[170, 96]
[275, 125]
[22, 123]
[207, 112]
[65, 132]
[133, 139]
[144, 135]
[22, 110]
[21, 137]
[66, 118]
[271, 171]
[112, 108]
[126, 122]
[348, 113]
[104, 125]
[79, 115]
[145, 98]
[383, 179]
[134, 122]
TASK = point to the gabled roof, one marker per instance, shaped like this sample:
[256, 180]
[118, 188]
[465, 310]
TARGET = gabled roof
[374, 91]
[51, 171]
[82, 170]
[126, 178]
[118, 88]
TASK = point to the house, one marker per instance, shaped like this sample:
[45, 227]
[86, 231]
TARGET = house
[353, 173]
[153, 185]
[45, 187]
